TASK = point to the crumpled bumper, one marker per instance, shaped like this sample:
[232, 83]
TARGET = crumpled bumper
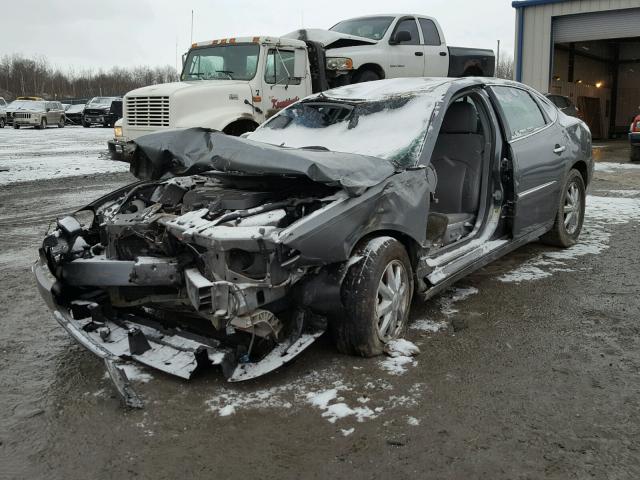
[176, 352]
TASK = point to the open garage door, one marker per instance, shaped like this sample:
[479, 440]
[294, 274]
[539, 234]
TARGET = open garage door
[596, 26]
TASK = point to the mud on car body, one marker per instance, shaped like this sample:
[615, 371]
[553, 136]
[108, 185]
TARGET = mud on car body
[239, 252]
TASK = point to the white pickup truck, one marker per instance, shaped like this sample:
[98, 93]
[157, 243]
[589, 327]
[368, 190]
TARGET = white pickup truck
[235, 84]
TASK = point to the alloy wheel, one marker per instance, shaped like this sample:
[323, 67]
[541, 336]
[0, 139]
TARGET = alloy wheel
[392, 301]
[572, 208]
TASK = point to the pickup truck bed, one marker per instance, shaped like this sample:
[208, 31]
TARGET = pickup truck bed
[465, 62]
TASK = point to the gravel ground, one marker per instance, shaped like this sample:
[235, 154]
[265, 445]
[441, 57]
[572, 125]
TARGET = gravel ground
[528, 369]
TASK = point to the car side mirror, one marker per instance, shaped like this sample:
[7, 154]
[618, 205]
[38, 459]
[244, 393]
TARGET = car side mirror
[48, 109]
[299, 63]
[401, 36]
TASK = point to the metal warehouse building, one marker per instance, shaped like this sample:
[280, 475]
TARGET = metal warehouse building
[587, 50]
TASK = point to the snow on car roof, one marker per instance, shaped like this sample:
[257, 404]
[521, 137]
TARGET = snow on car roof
[381, 89]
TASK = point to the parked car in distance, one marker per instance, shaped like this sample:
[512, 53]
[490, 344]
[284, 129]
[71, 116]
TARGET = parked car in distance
[634, 139]
[103, 111]
[329, 215]
[37, 113]
[3, 112]
[565, 105]
[74, 114]
[29, 98]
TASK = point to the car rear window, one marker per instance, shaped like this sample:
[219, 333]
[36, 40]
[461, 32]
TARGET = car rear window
[523, 115]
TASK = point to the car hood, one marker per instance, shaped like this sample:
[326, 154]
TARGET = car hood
[197, 150]
[166, 89]
[329, 39]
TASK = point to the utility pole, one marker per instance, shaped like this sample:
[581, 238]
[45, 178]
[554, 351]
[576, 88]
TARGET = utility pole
[498, 56]
[191, 28]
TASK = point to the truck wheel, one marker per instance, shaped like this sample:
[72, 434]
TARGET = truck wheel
[15, 125]
[366, 76]
[61, 123]
[376, 294]
[570, 213]
[634, 155]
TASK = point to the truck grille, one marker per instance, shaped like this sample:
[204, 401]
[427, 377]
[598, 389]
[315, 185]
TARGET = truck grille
[147, 111]
[21, 115]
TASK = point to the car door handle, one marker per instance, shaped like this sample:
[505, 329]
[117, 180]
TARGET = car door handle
[418, 54]
[443, 54]
[559, 149]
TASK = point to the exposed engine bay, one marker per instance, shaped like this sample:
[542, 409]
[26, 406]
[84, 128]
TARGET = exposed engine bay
[198, 255]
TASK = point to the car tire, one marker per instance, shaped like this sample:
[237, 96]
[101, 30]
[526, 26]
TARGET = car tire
[570, 213]
[61, 123]
[15, 125]
[2, 123]
[382, 276]
[366, 76]
[43, 124]
[634, 155]
[85, 124]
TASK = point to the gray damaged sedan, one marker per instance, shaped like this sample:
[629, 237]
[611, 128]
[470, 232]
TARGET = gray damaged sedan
[240, 252]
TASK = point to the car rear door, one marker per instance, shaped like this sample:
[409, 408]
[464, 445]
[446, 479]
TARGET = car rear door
[406, 59]
[436, 54]
[537, 152]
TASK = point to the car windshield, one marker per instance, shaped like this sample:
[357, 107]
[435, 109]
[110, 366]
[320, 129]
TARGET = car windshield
[393, 129]
[26, 105]
[370, 27]
[222, 62]
[100, 101]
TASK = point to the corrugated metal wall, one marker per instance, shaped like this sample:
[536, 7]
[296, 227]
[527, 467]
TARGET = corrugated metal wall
[536, 45]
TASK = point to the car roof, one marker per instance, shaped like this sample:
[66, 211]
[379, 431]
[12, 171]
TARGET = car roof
[381, 89]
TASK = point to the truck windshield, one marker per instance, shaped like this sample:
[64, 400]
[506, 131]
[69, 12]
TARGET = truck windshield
[100, 101]
[370, 27]
[393, 129]
[222, 62]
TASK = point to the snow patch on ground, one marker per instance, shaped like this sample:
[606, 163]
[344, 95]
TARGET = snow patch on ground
[413, 421]
[457, 295]
[136, 373]
[29, 154]
[611, 167]
[401, 348]
[623, 193]
[426, 325]
[601, 212]
[397, 365]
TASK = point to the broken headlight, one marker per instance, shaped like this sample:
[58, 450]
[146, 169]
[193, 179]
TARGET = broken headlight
[339, 63]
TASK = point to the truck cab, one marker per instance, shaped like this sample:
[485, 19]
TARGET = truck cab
[231, 85]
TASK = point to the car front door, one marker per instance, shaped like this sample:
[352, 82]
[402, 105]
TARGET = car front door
[281, 88]
[406, 57]
[436, 54]
[536, 146]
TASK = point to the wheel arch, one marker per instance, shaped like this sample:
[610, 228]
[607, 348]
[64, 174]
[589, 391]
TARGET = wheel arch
[411, 245]
[581, 166]
[374, 67]
[240, 125]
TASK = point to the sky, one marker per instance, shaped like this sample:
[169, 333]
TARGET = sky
[81, 34]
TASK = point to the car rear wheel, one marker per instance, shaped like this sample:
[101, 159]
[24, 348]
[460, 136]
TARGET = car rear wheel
[61, 123]
[43, 124]
[570, 213]
[376, 294]
[635, 154]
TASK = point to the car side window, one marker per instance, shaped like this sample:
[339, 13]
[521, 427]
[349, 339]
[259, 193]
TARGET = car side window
[279, 70]
[523, 115]
[409, 25]
[549, 108]
[429, 32]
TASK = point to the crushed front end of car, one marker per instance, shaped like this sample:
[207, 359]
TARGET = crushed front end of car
[226, 262]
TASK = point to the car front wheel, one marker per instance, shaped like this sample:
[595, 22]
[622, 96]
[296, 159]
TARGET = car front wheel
[43, 124]
[2, 123]
[570, 214]
[376, 294]
[61, 123]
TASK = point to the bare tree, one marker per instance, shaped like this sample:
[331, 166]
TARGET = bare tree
[35, 76]
[504, 69]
